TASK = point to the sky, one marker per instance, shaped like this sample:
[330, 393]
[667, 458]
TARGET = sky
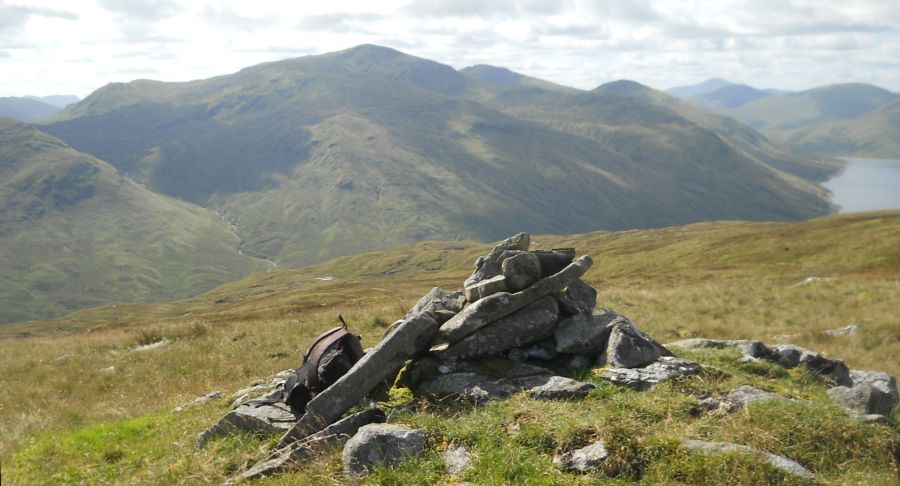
[76, 46]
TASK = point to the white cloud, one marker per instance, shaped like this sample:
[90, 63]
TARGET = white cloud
[790, 44]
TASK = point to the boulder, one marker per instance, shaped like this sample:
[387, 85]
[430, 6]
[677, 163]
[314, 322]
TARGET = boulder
[457, 460]
[780, 462]
[486, 287]
[261, 420]
[744, 395]
[490, 265]
[584, 333]
[521, 270]
[577, 298]
[381, 445]
[552, 261]
[666, 368]
[585, 460]
[628, 347]
[833, 370]
[881, 380]
[862, 399]
[534, 322]
[787, 355]
[294, 454]
[378, 365]
[554, 387]
[500, 305]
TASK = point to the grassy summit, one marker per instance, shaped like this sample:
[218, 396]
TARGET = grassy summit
[110, 420]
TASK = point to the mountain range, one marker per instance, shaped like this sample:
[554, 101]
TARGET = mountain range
[368, 148]
[852, 119]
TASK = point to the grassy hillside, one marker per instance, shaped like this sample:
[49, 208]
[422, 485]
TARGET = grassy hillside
[875, 134]
[25, 109]
[726, 280]
[367, 148]
[75, 233]
[812, 107]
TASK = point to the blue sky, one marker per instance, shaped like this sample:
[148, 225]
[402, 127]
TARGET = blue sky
[76, 46]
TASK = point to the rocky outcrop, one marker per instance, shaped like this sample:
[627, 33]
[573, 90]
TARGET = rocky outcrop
[666, 368]
[252, 418]
[787, 465]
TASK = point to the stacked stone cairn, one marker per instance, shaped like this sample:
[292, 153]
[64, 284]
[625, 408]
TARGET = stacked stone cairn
[524, 318]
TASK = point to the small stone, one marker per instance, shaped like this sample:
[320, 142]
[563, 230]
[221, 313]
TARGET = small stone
[109, 370]
[521, 270]
[842, 331]
[457, 460]
[489, 265]
[258, 420]
[582, 461]
[485, 288]
[873, 419]
[381, 445]
[198, 401]
[708, 404]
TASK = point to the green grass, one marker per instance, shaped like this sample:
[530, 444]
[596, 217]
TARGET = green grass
[724, 280]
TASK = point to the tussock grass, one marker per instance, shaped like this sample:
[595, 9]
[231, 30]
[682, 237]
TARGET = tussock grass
[83, 406]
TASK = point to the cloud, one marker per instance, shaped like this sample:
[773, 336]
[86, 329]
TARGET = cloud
[142, 10]
[483, 8]
[14, 17]
[220, 16]
[339, 22]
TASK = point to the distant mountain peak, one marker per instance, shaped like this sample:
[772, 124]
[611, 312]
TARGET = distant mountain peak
[623, 87]
[703, 87]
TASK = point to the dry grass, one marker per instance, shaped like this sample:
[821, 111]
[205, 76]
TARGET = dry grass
[728, 280]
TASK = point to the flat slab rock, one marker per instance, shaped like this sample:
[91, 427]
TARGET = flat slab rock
[260, 420]
[667, 368]
[787, 465]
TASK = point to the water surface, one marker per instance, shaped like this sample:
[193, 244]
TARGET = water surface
[866, 185]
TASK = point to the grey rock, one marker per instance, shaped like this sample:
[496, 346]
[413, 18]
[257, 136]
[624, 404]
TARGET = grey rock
[258, 420]
[862, 399]
[787, 355]
[752, 348]
[500, 305]
[533, 323]
[521, 270]
[438, 299]
[666, 368]
[380, 364]
[584, 333]
[381, 445]
[744, 395]
[486, 287]
[585, 460]
[542, 351]
[879, 379]
[708, 404]
[457, 460]
[490, 265]
[294, 454]
[554, 388]
[554, 260]
[577, 298]
[467, 386]
[842, 331]
[780, 462]
[198, 401]
[833, 370]
[628, 347]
